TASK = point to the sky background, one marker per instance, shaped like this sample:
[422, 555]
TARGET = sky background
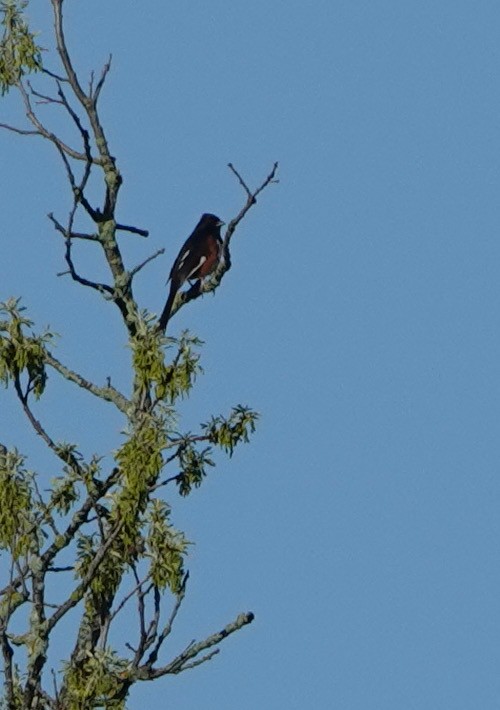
[361, 318]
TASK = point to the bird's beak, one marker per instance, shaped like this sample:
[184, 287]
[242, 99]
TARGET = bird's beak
[220, 223]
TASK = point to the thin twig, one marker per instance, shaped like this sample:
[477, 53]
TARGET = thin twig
[112, 615]
[41, 130]
[165, 482]
[105, 289]
[44, 98]
[102, 79]
[83, 236]
[140, 266]
[56, 690]
[242, 182]
[76, 119]
[87, 102]
[63, 53]
[129, 596]
[132, 230]
[65, 456]
[201, 660]
[251, 200]
[21, 131]
[153, 656]
[47, 514]
[181, 662]
[54, 75]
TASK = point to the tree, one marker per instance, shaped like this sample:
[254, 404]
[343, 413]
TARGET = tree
[103, 525]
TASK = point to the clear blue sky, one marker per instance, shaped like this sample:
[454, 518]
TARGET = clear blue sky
[361, 318]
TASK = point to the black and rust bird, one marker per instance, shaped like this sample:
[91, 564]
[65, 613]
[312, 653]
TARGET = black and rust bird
[198, 257]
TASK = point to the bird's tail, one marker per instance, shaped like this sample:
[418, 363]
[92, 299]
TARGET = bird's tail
[162, 323]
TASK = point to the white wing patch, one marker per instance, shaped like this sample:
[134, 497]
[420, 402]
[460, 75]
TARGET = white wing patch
[183, 258]
[198, 266]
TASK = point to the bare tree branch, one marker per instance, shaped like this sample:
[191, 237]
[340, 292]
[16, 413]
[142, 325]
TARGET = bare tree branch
[153, 656]
[108, 393]
[21, 131]
[65, 456]
[104, 289]
[180, 662]
[89, 104]
[64, 55]
[42, 131]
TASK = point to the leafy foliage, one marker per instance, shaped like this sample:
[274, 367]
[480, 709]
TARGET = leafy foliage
[131, 528]
[169, 381]
[96, 683]
[20, 353]
[19, 52]
[166, 548]
[17, 519]
[193, 465]
[229, 432]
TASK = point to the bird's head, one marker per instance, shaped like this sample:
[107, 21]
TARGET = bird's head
[211, 220]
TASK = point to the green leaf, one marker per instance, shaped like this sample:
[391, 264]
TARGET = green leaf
[18, 526]
[166, 548]
[19, 52]
[229, 432]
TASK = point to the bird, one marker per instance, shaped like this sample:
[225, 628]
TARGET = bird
[198, 257]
